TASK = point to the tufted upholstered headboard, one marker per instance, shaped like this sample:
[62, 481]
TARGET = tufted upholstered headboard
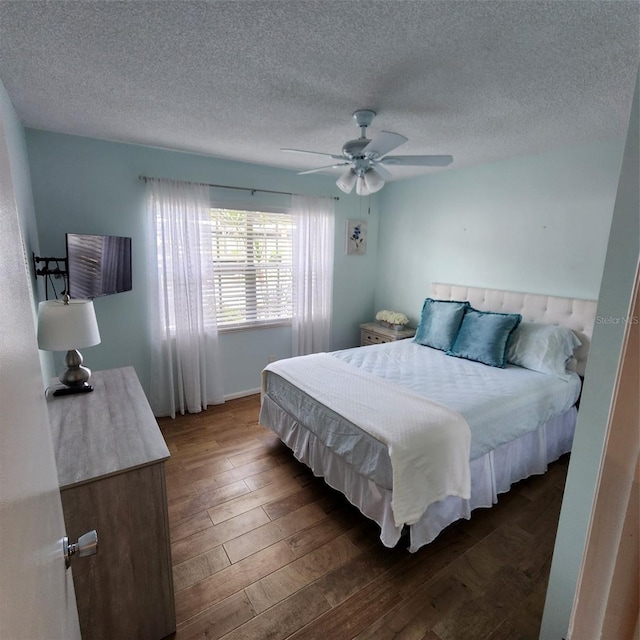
[578, 315]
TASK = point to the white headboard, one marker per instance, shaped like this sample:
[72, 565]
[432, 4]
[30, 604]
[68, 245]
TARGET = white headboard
[578, 315]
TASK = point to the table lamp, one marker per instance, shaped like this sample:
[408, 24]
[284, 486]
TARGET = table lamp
[66, 325]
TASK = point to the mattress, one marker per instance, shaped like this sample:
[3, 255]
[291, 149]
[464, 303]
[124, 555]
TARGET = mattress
[487, 397]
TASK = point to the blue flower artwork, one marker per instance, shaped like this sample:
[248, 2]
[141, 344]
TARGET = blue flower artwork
[356, 237]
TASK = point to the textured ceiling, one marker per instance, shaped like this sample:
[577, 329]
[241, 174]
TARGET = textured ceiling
[478, 79]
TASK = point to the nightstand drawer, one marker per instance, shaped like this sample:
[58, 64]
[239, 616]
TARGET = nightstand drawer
[367, 337]
[373, 333]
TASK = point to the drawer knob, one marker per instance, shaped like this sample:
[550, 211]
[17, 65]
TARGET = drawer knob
[87, 545]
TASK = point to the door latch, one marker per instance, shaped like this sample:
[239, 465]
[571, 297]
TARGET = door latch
[87, 545]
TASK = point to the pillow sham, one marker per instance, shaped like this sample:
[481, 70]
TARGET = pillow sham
[484, 337]
[439, 323]
[542, 347]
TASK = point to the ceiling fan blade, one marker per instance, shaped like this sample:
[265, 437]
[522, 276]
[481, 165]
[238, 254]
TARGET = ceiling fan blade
[384, 142]
[381, 171]
[315, 153]
[330, 166]
[418, 161]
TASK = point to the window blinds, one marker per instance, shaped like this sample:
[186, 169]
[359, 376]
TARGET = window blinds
[252, 253]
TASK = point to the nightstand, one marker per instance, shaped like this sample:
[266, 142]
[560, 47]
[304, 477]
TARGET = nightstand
[373, 333]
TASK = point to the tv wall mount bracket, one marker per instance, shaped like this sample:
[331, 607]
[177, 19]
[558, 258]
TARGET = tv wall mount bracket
[49, 268]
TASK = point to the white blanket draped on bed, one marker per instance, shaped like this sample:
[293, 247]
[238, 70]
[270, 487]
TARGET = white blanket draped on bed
[428, 443]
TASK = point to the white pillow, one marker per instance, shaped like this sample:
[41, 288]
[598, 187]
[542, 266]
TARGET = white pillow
[542, 347]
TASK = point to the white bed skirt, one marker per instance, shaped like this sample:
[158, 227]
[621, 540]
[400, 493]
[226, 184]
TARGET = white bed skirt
[491, 474]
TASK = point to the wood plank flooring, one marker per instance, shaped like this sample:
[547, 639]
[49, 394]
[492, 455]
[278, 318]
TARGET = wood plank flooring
[263, 550]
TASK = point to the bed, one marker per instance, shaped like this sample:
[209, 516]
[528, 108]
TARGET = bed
[419, 433]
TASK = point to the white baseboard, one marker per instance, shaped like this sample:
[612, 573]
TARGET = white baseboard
[241, 394]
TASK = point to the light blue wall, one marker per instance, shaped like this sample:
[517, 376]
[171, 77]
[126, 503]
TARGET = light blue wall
[16, 146]
[536, 223]
[84, 185]
[621, 263]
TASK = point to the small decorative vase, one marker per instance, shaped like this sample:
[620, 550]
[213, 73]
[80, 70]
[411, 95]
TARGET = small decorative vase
[384, 323]
[397, 327]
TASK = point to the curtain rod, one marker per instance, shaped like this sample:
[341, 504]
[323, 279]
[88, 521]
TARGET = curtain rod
[226, 186]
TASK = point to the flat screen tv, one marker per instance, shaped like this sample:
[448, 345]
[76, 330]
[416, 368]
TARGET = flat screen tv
[98, 265]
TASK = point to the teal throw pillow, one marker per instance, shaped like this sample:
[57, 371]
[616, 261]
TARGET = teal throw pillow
[484, 337]
[439, 323]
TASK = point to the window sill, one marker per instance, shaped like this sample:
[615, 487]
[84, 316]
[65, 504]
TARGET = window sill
[254, 327]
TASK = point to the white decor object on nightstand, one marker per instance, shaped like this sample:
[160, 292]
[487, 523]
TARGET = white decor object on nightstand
[393, 319]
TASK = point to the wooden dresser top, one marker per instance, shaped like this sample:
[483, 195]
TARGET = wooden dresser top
[108, 431]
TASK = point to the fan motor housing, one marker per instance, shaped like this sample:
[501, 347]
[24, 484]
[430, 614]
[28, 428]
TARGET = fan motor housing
[353, 148]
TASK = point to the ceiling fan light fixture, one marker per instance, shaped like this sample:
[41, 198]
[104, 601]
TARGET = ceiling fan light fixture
[347, 181]
[361, 187]
[367, 158]
[373, 181]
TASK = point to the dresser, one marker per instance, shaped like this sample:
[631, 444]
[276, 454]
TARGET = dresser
[373, 333]
[110, 456]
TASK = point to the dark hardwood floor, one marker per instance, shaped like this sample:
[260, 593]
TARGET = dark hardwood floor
[263, 550]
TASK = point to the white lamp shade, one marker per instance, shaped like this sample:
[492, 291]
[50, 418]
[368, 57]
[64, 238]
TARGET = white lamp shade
[361, 187]
[347, 181]
[373, 181]
[62, 327]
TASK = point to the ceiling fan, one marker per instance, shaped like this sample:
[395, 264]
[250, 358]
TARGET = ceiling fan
[366, 158]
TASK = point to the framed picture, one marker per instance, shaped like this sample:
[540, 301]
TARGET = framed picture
[356, 237]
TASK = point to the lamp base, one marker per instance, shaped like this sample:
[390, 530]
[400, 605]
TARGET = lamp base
[75, 376]
[67, 391]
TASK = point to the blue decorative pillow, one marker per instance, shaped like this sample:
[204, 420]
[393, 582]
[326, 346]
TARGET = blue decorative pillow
[439, 323]
[484, 337]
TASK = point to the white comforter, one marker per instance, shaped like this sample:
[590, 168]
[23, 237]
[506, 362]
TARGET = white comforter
[428, 443]
[499, 405]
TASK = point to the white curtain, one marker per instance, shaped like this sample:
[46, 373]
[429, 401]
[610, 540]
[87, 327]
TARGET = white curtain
[313, 240]
[185, 360]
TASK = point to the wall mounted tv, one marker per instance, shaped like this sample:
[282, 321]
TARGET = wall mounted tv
[98, 265]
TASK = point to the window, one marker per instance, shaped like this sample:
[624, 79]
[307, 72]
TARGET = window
[252, 255]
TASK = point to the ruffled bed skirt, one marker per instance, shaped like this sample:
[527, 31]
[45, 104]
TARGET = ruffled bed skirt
[491, 474]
